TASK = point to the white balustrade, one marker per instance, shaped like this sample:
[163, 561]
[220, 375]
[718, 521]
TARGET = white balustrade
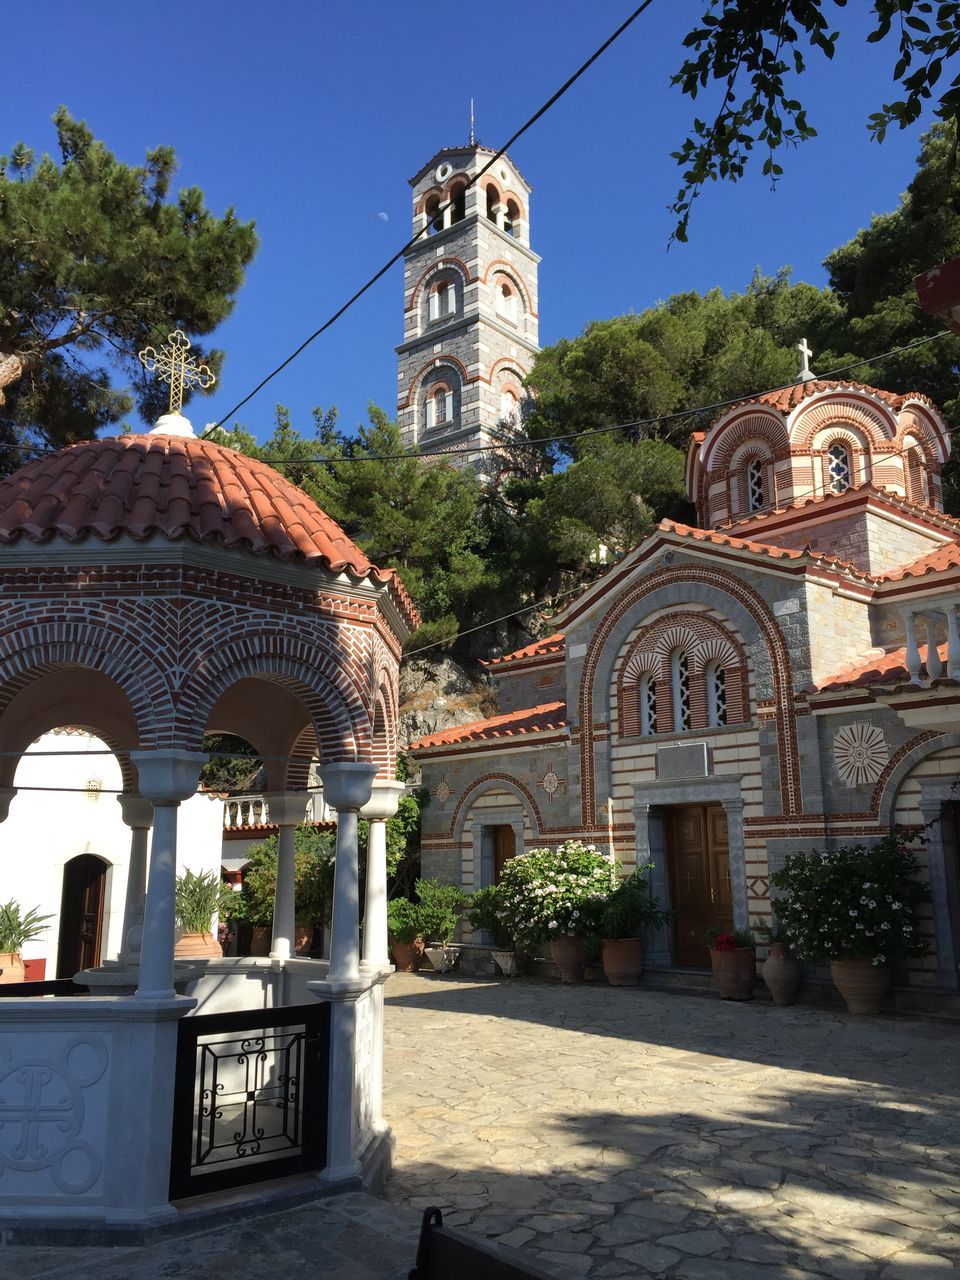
[923, 660]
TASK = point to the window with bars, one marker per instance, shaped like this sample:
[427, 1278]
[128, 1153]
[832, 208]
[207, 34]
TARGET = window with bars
[681, 691]
[838, 458]
[716, 695]
[648, 706]
[755, 485]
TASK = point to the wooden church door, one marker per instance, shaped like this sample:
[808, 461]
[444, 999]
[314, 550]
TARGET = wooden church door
[81, 914]
[698, 861]
[504, 847]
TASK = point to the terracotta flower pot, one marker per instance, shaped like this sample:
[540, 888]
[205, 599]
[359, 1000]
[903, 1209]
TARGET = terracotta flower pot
[302, 937]
[623, 961]
[196, 945]
[407, 956]
[11, 967]
[261, 936]
[569, 957]
[734, 972]
[862, 983]
[781, 973]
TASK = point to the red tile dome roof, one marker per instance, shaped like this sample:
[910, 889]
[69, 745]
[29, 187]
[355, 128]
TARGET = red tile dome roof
[175, 486]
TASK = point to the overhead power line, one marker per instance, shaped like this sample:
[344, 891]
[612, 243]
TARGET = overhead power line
[541, 111]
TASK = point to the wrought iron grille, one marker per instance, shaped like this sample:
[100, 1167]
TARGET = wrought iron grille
[250, 1097]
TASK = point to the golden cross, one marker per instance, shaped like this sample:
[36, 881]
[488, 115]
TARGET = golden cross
[172, 364]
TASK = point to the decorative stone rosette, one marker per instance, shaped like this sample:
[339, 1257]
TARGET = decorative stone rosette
[860, 752]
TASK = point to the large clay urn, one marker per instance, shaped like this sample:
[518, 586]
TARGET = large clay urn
[863, 984]
[569, 957]
[781, 973]
[195, 946]
[623, 961]
[407, 956]
[11, 967]
[734, 972]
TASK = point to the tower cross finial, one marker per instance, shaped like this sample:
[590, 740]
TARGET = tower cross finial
[172, 364]
[472, 136]
[806, 352]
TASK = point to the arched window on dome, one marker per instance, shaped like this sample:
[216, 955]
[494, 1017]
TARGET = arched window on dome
[838, 468]
[680, 685]
[458, 202]
[506, 300]
[756, 498]
[434, 216]
[716, 680]
[913, 466]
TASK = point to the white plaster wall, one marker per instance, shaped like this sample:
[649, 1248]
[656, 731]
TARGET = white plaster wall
[45, 829]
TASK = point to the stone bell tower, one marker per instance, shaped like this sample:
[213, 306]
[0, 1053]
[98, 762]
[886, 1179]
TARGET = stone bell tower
[470, 303]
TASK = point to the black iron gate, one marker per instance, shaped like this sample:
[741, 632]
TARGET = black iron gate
[250, 1098]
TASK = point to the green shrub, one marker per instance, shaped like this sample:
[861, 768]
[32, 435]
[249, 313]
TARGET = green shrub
[856, 901]
[485, 911]
[440, 907]
[549, 893]
[403, 920]
[17, 928]
[631, 908]
[198, 898]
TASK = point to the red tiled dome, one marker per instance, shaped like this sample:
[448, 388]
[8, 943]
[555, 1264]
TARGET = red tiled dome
[173, 486]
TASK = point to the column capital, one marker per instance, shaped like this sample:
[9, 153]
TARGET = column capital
[383, 802]
[286, 808]
[6, 795]
[347, 785]
[167, 777]
[137, 810]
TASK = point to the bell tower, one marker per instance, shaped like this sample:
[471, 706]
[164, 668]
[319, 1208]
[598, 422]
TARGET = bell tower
[470, 328]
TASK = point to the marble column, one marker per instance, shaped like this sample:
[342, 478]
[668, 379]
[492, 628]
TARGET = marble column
[287, 809]
[346, 788]
[166, 779]
[138, 816]
[381, 806]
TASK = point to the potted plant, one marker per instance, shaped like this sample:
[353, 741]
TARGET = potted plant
[857, 907]
[628, 911]
[556, 896]
[198, 899]
[733, 959]
[486, 913]
[405, 932]
[16, 929]
[780, 971]
[440, 907]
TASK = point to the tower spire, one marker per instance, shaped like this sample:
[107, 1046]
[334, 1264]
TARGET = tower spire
[472, 136]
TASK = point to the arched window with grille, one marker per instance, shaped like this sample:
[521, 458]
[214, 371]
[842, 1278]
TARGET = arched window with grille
[755, 493]
[647, 704]
[680, 683]
[716, 681]
[838, 468]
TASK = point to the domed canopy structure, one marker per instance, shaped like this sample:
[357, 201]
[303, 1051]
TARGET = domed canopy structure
[172, 485]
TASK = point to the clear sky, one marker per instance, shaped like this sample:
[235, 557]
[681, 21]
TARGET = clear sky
[311, 117]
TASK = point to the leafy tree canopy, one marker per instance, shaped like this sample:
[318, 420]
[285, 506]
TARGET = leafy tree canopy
[751, 51]
[96, 262]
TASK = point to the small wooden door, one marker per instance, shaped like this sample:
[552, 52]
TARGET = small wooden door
[698, 862]
[81, 914]
[504, 847]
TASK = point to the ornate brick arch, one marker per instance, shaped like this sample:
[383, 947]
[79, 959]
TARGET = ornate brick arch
[875, 424]
[606, 644]
[500, 266]
[495, 782]
[436, 268]
[915, 422]
[333, 700]
[883, 802]
[761, 425]
[438, 362]
[59, 645]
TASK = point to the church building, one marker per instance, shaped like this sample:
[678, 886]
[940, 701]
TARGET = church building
[781, 677]
[470, 303]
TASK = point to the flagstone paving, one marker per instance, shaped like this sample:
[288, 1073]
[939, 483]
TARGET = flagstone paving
[616, 1132]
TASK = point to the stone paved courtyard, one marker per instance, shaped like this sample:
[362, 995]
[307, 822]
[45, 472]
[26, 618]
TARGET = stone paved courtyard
[616, 1132]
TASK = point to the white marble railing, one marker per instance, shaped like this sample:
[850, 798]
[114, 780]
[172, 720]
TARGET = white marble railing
[254, 810]
[922, 628]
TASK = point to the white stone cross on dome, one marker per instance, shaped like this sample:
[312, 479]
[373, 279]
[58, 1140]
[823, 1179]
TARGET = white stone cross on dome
[805, 373]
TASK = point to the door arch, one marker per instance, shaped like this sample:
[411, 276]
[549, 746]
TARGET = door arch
[81, 914]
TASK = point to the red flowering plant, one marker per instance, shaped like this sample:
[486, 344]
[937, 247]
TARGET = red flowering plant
[726, 940]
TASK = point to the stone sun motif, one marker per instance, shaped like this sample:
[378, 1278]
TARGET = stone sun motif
[441, 792]
[860, 752]
[550, 783]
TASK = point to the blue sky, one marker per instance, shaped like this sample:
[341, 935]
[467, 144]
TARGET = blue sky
[311, 117]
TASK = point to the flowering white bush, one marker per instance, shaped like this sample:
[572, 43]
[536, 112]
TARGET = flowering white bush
[550, 893]
[855, 901]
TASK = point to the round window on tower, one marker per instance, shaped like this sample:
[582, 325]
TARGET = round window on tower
[443, 171]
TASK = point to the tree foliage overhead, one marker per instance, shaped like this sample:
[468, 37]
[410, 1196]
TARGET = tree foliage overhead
[751, 50]
[96, 262]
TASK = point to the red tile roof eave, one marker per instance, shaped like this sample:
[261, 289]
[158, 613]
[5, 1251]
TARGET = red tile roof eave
[539, 649]
[546, 717]
[472, 746]
[797, 512]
